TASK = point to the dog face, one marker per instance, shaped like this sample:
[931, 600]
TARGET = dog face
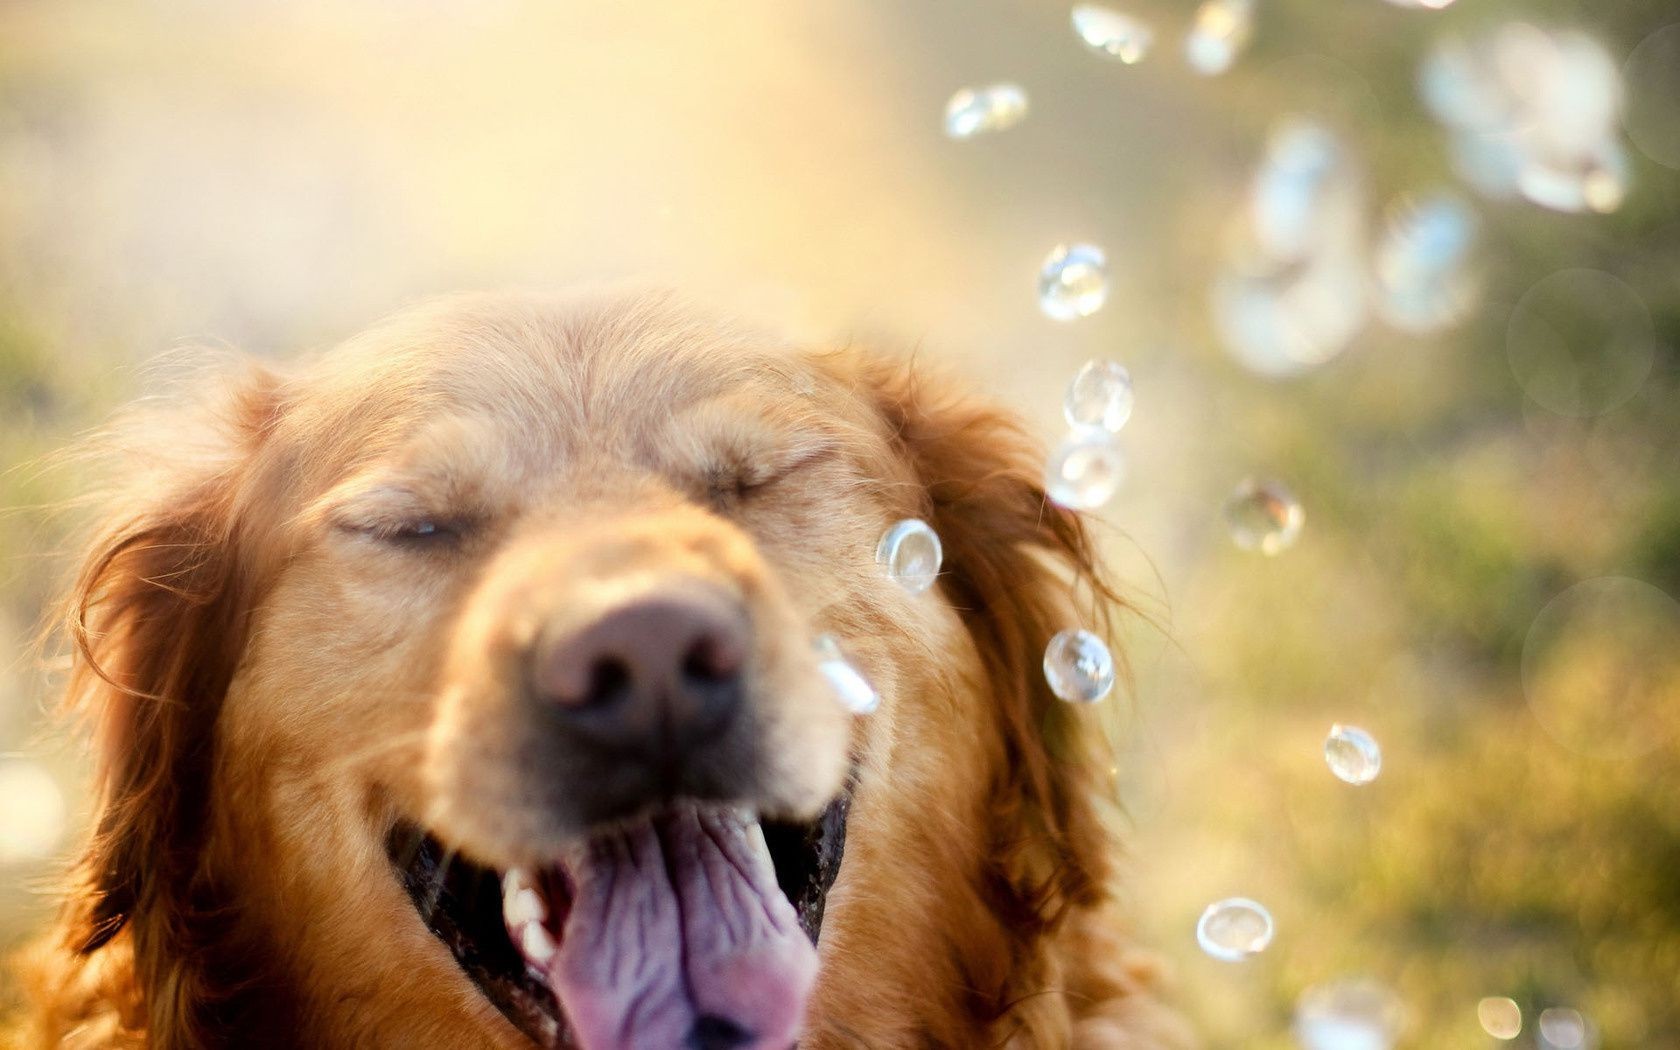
[465, 688]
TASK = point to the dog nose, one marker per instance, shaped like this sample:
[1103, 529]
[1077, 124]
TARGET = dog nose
[652, 677]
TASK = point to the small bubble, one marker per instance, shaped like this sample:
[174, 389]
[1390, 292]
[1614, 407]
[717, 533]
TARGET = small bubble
[1563, 1029]
[1429, 5]
[850, 687]
[1580, 342]
[1352, 754]
[978, 111]
[1348, 1015]
[1112, 34]
[1085, 471]
[1073, 282]
[1422, 265]
[1264, 516]
[1500, 1017]
[1234, 929]
[32, 811]
[911, 554]
[1652, 74]
[1219, 34]
[1099, 397]
[1078, 667]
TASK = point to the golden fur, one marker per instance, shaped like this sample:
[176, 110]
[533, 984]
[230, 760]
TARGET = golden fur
[267, 689]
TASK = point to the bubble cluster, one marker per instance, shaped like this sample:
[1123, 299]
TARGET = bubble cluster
[851, 688]
[1078, 667]
[1422, 268]
[911, 554]
[32, 811]
[1111, 34]
[1355, 1014]
[1234, 929]
[1264, 516]
[1532, 113]
[1352, 754]
[1219, 33]
[1580, 342]
[1084, 471]
[1601, 663]
[981, 110]
[1073, 282]
[1500, 1017]
[1652, 75]
[1292, 294]
[1099, 397]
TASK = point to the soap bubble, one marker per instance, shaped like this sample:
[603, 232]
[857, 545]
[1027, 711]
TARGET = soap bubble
[1078, 667]
[977, 111]
[1219, 34]
[1112, 34]
[1073, 282]
[1291, 318]
[1601, 663]
[1099, 397]
[1305, 191]
[1234, 929]
[911, 554]
[1500, 1017]
[1264, 516]
[1352, 754]
[1348, 1015]
[850, 687]
[1085, 471]
[1422, 268]
[1653, 81]
[32, 811]
[1431, 5]
[1564, 1029]
[1580, 342]
[1531, 112]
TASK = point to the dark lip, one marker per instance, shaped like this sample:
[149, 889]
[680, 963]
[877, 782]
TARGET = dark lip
[461, 904]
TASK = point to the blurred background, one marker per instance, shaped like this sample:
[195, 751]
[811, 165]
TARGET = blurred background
[1410, 267]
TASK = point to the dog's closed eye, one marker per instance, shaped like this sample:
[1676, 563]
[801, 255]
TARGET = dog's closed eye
[399, 519]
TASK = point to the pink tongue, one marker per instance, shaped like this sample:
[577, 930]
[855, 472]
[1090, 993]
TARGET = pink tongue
[679, 938]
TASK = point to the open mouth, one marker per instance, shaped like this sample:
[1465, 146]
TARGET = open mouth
[692, 928]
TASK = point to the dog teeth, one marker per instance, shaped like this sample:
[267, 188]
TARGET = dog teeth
[536, 944]
[521, 903]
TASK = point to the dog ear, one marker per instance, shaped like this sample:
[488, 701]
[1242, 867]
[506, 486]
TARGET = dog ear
[155, 623]
[1015, 566]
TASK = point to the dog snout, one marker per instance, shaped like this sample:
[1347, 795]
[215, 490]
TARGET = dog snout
[651, 678]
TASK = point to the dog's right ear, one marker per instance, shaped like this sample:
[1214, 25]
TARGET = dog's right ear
[155, 622]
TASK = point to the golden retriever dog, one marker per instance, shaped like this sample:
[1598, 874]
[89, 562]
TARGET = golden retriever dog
[461, 687]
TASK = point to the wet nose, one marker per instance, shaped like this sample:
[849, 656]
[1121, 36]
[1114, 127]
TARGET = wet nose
[651, 678]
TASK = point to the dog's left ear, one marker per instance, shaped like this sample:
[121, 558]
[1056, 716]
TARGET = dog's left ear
[1014, 563]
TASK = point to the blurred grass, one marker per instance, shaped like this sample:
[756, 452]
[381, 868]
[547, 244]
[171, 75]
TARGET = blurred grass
[276, 176]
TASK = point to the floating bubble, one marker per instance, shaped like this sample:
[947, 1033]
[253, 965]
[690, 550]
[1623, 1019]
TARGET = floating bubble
[1099, 397]
[1533, 113]
[1112, 34]
[1422, 268]
[1564, 1029]
[1652, 74]
[1306, 194]
[1264, 516]
[1219, 34]
[1348, 1015]
[1234, 929]
[911, 553]
[32, 811]
[1601, 664]
[978, 111]
[1079, 667]
[1580, 342]
[1430, 5]
[1291, 318]
[1073, 282]
[1500, 1017]
[1085, 471]
[1352, 754]
[850, 687]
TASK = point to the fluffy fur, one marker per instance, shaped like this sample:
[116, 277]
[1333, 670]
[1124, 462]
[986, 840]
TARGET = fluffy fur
[267, 688]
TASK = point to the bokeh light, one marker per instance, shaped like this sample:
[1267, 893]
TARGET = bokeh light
[32, 811]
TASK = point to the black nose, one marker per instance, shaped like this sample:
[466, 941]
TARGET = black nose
[651, 678]
[717, 1033]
